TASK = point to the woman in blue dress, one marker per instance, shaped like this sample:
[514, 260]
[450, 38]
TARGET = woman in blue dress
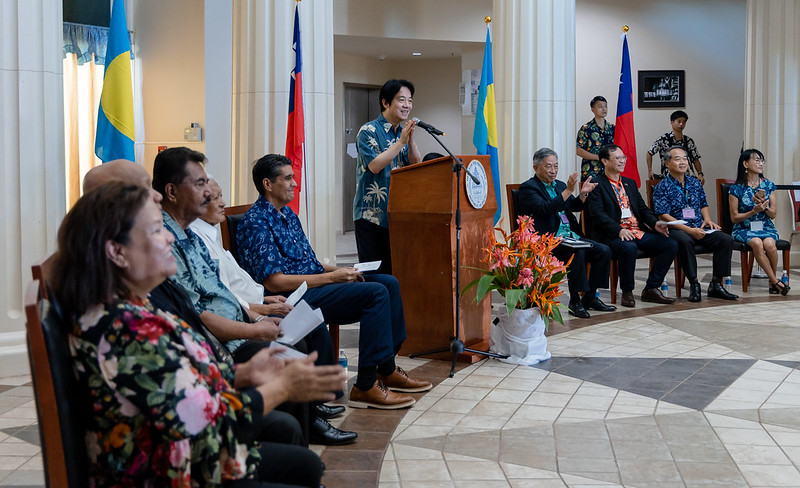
[753, 208]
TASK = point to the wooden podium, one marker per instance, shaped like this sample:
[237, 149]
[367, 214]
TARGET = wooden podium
[422, 224]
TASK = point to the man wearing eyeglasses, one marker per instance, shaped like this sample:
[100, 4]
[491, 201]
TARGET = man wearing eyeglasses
[621, 220]
[680, 197]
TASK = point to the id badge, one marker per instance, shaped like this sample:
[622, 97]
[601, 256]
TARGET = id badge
[564, 218]
[626, 213]
[688, 213]
[757, 226]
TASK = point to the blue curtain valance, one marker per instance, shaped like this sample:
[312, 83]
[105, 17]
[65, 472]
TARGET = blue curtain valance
[87, 40]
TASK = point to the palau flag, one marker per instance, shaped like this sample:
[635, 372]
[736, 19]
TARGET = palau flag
[295, 125]
[485, 135]
[115, 133]
[623, 132]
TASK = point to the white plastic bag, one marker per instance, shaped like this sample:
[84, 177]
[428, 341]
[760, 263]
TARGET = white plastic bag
[520, 337]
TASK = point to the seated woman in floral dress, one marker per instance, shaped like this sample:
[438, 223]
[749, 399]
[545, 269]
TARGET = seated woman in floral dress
[163, 411]
[753, 207]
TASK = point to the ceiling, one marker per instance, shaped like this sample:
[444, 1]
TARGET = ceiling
[395, 49]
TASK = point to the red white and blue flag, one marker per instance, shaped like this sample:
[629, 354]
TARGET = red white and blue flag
[295, 125]
[623, 132]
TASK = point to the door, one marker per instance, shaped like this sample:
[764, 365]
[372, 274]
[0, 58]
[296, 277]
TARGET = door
[360, 106]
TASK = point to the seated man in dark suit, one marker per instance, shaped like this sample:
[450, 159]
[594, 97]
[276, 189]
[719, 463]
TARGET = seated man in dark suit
[550, 203]
[621, 220]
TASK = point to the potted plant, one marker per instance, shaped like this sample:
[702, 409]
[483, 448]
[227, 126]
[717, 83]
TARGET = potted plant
[524, 271]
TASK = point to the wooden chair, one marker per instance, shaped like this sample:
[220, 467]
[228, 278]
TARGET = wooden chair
[795, 213]
[746, 255]
[233, 215]
[512, 194]
[59, 404]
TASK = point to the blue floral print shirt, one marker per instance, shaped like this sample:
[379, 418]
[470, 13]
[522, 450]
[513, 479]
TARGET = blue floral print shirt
[272, 241]
[670, 197]
[162, 409]
[372, 190]
[198, 274]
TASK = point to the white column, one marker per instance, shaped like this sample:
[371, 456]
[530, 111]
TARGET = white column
[262, 64]
[218, 41]
[534, 76]
[772, 93]
[32, 148]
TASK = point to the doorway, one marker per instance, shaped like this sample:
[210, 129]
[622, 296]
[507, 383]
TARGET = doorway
[360, 106]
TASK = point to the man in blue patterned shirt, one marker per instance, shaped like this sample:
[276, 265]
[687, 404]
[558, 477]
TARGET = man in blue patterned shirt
[383, 144]
[679, 196]
[275, 251]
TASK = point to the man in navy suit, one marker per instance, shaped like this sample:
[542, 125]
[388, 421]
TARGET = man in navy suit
[550, 203]
[621, 220]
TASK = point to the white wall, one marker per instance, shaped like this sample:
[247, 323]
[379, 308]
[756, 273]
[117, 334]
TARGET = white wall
[169, 40]
[706, 39]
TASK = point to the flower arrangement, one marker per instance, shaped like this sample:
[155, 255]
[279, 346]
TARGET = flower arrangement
[523, 269]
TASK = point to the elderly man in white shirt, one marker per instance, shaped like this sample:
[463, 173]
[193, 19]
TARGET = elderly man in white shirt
[249, 293]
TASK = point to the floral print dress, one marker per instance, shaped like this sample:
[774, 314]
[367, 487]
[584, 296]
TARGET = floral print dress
[743, 231]
[163, 411]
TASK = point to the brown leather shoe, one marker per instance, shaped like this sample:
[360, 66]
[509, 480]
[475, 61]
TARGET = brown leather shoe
[654, 295]
[378, 397]
[399, 381]
[627, 299]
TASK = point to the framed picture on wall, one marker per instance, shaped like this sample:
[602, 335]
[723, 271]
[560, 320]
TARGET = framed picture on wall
[662, 89]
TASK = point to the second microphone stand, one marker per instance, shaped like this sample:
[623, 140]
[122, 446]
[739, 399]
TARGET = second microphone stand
[456, 344]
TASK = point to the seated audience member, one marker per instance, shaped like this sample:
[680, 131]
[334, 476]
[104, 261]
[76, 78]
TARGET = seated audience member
[163, 411]
[753, 207]
[249, 293]
[179, 176]
[675, 138]
[621, 220]
[276, 426]
[432, 155]
[275, 251]
[591, 137]
[679, 196]
[550, 203]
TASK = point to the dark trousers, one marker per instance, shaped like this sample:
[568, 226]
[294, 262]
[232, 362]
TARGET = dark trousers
[372, 242]
[283, 466]
[659, 246]
[376, 304]
[599, 256]
[717, 242]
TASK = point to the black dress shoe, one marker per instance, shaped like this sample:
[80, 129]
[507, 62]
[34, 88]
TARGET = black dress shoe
[322, 432]
[576, 308]
[597, 304]
[329, 412]
[695, 292]
[716, 290]
[654, 295]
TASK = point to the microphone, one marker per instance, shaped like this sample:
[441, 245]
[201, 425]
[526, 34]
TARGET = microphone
[428, 127]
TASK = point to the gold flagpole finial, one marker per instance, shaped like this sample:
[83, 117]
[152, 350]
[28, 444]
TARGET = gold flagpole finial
[625, 28]
[487, 19]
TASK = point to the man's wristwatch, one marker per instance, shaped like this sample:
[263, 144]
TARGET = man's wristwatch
[584, 195]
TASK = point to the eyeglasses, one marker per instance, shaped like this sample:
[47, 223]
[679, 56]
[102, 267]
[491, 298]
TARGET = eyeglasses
[758, 160]
[620, 158]
[680, 158]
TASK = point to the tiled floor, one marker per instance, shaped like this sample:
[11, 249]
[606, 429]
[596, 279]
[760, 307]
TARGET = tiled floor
[683, 395]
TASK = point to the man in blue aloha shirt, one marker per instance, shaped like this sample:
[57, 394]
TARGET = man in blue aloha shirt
[383, 144]
[680, 197]
[591, 137]
[276, 253]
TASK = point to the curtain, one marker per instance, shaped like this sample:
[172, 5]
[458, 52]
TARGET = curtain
[84, 64]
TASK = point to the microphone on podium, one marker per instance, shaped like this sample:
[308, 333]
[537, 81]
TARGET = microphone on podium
[428, 127]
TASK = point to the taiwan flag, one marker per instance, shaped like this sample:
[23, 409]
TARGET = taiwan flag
[623, 132]
[295, 125]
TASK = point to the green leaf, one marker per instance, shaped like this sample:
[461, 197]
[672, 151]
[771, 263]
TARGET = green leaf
[557, 315]
[513, 297]
[484, 285]
[156, 398]
[146, 382]
[469, 285]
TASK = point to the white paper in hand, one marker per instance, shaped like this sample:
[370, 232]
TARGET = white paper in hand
[297, 294]
[673, 222]
[367, 266]
[300, 321]
[289, 353]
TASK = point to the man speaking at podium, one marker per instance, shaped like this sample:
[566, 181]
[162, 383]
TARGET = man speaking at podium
[383, 144]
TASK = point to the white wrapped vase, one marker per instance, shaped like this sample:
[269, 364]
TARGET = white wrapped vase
[519, 336]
